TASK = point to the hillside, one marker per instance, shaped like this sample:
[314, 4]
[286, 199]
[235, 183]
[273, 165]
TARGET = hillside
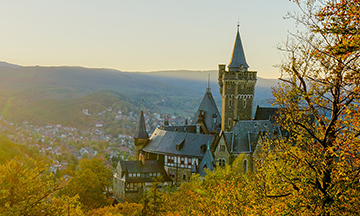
[51, 95]
[68, 112]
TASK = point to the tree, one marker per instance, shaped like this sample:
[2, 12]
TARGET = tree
[27, 190]
[92, 183]
[119, 209]
[314, 169]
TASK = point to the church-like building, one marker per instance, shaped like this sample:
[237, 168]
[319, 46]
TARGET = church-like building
[211, 139]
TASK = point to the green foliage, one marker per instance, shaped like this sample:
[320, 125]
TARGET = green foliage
[92, 183]
[9, 150]
[68, 112]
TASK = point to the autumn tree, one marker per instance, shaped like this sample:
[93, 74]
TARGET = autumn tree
[92, 183]
[225, 191]
[27, 189]
[314, 168]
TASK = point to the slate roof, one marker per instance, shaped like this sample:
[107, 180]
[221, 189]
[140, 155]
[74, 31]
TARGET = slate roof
[207, 162]
[243, 137]
[141, 129]
[165, 142]
[181, 128]
[238, 55]
[150, 166]
[210, 110]
[266, 113]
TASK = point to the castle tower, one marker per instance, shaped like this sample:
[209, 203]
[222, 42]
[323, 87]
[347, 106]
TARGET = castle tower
[141, 137]
[237, 88]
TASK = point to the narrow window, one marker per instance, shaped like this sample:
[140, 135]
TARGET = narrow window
[189, 161]
[222, 148]
[244, 103]
[245, 165]
[182, 160]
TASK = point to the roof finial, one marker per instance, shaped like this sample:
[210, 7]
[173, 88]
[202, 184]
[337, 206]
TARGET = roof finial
[238, 25]
[142, 104]
[208, 89]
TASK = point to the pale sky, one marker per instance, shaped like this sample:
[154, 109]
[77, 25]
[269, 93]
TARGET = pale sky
[143, 35]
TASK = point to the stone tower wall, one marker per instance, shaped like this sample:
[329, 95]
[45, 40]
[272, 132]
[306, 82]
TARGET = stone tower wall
[139, 144]
[237, 89]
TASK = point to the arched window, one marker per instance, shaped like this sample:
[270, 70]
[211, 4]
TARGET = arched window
[244, 103]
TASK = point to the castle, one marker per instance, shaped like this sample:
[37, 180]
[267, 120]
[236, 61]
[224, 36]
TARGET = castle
[211, 140]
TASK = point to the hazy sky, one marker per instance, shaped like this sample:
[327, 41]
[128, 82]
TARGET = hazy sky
[145, 35]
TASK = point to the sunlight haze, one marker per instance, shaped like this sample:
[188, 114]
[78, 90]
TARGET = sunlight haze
[143, 35]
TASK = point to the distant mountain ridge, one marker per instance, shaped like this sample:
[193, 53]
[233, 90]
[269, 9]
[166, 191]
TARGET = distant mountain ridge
[5, 64]
[44, 94]
[88, 80]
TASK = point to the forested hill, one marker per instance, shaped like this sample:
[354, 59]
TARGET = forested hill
[88, 80]
[43, 95]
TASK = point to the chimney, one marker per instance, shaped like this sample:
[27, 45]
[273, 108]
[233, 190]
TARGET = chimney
[142, 158]
[198, 128]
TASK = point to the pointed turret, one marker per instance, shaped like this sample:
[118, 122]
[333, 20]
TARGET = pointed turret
[141, 129]
[238, 56]
[207, 162]
[237, 88]
[208, 114]
[141, 137]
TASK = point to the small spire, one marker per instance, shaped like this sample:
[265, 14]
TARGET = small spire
[142, 104]
[208, 89]
[238, 56]
[141, 129]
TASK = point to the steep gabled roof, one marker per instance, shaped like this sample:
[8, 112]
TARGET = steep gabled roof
[207, 162]
[210, 111]
[238, 55]
[141, 129]
[244, 136]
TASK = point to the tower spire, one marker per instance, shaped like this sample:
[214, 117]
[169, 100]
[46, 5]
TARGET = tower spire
[208, 89]
[141, 128]
[238, 56]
